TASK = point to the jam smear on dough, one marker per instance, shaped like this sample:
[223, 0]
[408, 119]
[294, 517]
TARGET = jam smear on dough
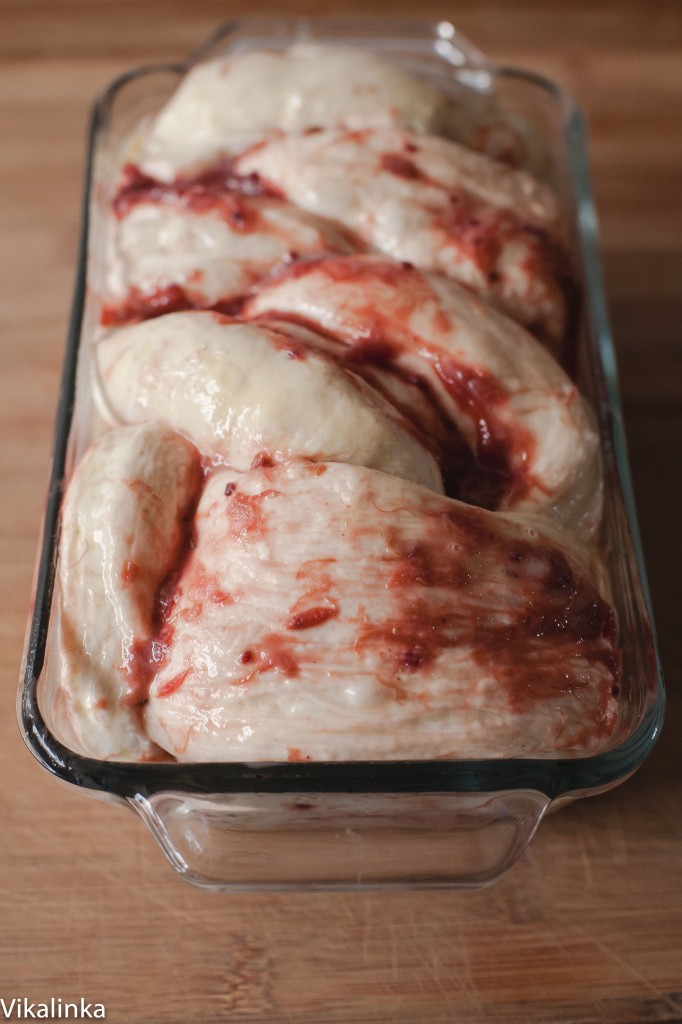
[148, 655]
[173, 298]
[211, 188]
[247, 514]
[130, 572]
[543, 640]
[370, 339]
[173, 684]
[272, 653]
[312, 617]
[399, 165]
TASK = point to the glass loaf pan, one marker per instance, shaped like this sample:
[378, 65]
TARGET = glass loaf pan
[383, 824]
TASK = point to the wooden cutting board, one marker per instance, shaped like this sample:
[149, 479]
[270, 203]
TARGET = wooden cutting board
[588, 926]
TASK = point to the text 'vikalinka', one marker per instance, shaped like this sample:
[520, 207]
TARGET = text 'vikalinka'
[20, 1008]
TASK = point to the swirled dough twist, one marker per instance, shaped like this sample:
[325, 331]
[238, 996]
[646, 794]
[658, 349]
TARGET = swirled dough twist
[330, 612]
[122, 533]
[433, 203]
[242, 392]
[226, 104]
[519, 412]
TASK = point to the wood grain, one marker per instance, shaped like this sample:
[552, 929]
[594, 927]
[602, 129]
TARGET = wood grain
[588, 926]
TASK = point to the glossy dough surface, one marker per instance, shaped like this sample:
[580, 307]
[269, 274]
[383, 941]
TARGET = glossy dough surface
[122, 535]
[243, 392]
[200, 247]
[332, 612]
[521, 415]
[227, 104]
[346, 500]
[433, 203]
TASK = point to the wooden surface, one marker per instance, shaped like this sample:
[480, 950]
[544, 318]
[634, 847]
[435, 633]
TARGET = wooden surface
[588, 926]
